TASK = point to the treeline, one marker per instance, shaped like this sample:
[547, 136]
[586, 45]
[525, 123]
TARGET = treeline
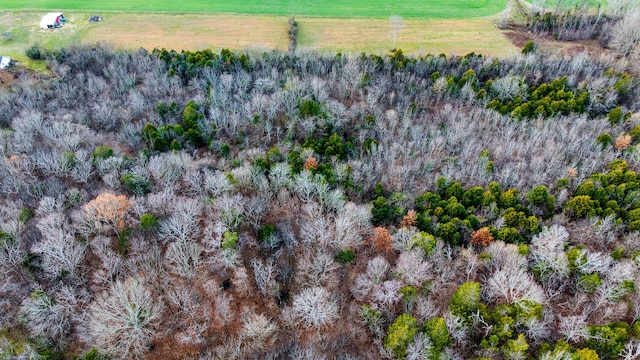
[291, 205]
[614, 24]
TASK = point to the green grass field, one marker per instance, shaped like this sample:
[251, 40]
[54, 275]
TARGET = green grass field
[414, 9]
[252, 32]
[350, 26]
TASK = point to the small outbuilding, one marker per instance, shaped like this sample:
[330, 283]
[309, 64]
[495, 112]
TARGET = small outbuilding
[52, 20]
[5, 62]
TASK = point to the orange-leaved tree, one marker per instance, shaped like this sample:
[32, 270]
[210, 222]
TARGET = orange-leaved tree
[381, 239]
[106, 213]
[482, 237]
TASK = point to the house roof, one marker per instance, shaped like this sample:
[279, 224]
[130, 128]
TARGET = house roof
[4, 61]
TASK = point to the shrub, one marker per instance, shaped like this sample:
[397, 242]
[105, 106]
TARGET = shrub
[148, 222]
[510, 235]
[473, 197]
[309, 108]
[345, 256]
[604, 140]
[586, 354]
[136, 184]
[563, 183]
[635, 133]
[101, 153]
[94, 354]
[580, 206]
[409, 296]
[25, 215]
[373, 317]
[615, 116]
[224, 150]
[589, 283]
[608, 340]
[35, 52]
[380, 211]
[576, 258]
[72, 198]
[401, 334]
[529, 47]
[540, 197]
[437, 331]
[124, 241]
[266, 232]
[424, 241]
[229, 240]
[449, 233]
[293, 34]
[516, 348]
[523, 249]
[624, 288]
[465, 300]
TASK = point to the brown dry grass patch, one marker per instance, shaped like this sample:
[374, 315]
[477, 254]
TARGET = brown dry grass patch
[190, 32]
[238, 32]
[457, 37]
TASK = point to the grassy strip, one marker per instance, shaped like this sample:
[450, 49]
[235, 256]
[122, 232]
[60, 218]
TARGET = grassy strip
[245, 32]
[425, 9]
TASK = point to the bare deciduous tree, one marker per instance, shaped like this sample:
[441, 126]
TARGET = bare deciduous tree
[123, 320]
[314, 307]
[258, 331]
[265, 276]
[547, 252]
[626, 33]
[388, 293]
[317, 268]
[184, 258]
[61, 253]
[397, 23]
[511, 286]
[352, 223]
[574, 328]
[192, 316]
[46, 316]
[420, 348]
[412, 269]
[183, 224]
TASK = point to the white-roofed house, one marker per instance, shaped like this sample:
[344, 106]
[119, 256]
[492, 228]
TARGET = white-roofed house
[5, 61]
[52, 20]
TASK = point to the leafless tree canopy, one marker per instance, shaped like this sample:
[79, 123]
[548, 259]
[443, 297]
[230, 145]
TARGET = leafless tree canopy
[294, 206]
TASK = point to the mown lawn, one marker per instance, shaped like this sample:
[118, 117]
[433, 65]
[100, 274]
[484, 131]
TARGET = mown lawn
[418, 9]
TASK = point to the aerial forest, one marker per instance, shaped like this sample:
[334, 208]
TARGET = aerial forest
[283, 205]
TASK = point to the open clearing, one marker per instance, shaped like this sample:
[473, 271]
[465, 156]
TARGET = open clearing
[422, 9]
[416, 37]
[245, 32]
